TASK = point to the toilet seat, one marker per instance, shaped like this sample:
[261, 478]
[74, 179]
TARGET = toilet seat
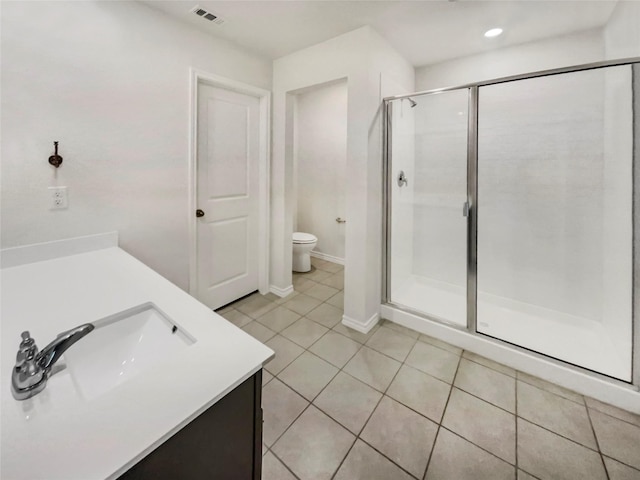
[302, 238]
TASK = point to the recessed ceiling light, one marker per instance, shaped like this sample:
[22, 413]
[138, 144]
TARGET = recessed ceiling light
[494, 32]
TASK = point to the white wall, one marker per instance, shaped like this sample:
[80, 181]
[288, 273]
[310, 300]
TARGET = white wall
[360, 56]
[340, 57]
[391, 75]
[110, 81]
[573, 49]
[320, 161]
[622, 32]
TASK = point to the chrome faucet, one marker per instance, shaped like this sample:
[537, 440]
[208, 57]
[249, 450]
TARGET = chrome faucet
[32, 369]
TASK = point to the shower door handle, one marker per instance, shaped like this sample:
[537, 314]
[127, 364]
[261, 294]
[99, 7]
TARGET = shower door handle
[465, 209]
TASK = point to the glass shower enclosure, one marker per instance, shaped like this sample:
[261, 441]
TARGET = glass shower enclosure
[509, 210]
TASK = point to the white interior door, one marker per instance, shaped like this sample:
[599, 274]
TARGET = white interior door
[227, 194]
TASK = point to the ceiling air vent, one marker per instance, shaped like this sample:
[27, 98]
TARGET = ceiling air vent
[201, 12]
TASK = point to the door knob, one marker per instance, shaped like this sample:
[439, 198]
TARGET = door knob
[199, 213]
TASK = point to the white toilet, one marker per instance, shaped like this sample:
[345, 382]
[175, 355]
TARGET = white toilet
[303, 243]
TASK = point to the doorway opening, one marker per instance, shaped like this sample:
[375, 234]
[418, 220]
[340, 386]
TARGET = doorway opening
[319, 167]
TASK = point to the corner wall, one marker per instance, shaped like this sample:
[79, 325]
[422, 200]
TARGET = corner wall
[622, 32]
[110, 82]
[360, 56]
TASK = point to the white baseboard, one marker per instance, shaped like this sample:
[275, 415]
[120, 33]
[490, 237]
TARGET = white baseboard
[281, 292]
[359, 326]
[328, 258]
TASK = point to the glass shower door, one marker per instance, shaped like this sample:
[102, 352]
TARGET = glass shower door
[555, 190]
[427, 175]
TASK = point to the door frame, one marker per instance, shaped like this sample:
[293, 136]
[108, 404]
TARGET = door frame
[264, 96]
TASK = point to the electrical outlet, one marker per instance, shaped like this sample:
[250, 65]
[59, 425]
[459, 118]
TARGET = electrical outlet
[58, 198]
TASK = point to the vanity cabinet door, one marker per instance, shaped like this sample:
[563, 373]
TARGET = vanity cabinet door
[224, 442]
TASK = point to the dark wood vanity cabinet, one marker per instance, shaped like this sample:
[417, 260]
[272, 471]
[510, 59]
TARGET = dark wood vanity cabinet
[224, 442]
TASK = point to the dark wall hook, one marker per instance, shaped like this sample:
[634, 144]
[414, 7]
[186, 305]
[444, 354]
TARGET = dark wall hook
[55, 159]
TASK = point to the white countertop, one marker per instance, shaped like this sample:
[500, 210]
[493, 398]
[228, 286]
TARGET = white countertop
[58, 434]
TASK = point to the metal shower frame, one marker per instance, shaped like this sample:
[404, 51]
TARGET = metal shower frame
[472, 202]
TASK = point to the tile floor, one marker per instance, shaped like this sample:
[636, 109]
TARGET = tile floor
[394, 404]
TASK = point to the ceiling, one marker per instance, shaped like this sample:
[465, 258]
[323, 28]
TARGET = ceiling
[424, 32]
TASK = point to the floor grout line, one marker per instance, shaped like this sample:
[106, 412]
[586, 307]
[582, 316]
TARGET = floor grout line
[384, 393]
[356, 436]
[595, 436]
[516, 421]
[621, 462]
[387, 458]
[321, 390]
[457, 434]
[296, 357]
[451, 387]
[389, 356]
[437, 422]
[294, 420]
[531, 475]
[486, 366]
[613, 416]
[284, 464]
[523, 380]
[344, 458]
[558, 434]
[484, 399]
[364, 425]
[444, 411]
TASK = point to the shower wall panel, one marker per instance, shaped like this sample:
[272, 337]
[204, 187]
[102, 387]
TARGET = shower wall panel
[540, 178]
[428, 229]
[555, 216]
[441, 188]
[402, 223]
[617, 171]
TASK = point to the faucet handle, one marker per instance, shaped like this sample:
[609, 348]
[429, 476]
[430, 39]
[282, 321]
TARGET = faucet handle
[27, 350]
[27, 341]
[25, 356]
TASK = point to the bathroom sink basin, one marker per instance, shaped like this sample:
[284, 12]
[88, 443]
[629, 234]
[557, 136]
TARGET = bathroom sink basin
[122, 346]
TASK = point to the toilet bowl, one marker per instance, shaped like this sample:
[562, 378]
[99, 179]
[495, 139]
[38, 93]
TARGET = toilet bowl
[303, 243]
